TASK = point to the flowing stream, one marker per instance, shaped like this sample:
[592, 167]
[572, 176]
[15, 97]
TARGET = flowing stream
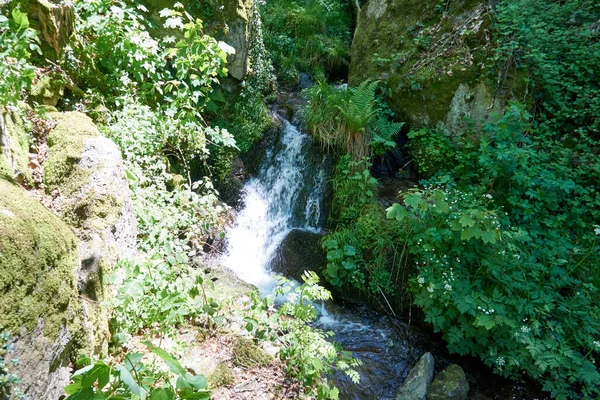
[288, 194]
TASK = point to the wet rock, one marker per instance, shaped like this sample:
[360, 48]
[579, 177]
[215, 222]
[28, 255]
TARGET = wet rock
[450, 384]
[417, 383]
[87, 169]
[300, 251]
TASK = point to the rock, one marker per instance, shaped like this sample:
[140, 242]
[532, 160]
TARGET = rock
[450, 384]
[94, 198]
[48, 90]
[54, 19]
[418, 380]
[14, 147]
[435, 63]
[38, 295]
[300, 250]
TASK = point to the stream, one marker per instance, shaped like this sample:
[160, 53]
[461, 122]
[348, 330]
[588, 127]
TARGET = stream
[288, 194]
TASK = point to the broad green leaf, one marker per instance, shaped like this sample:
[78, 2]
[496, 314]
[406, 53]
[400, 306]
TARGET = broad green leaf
[413, 201]
[396, 211]
[198, 382]
[130, 382]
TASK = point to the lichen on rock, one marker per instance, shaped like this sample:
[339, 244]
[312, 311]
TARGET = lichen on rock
[14, 146]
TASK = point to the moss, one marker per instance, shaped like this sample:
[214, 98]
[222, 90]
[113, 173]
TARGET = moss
[66, 143]
[249, 355]
[221, 376]
[431, 56]
[48, 90]
[38, 257]
[19, 147]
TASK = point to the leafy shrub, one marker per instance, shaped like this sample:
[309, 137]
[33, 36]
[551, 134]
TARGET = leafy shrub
[353, 188]
[8, 379]
[307, 353]
[16, 42]
[308, 36]
[132, 379]
[506, 257]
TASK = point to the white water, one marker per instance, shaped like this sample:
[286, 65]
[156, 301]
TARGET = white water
[268, 214]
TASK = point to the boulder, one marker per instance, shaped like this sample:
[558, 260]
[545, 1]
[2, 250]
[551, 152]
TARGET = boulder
[54, 19]
[450, 384]
[87, 170]
[435, 60]
[38, 295]
[300, 250]
[419, 378]
[48, 89]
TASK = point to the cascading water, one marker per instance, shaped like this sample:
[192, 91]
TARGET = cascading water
[288, 194]
[270, 208]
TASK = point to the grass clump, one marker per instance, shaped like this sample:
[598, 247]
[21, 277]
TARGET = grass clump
[249, 355]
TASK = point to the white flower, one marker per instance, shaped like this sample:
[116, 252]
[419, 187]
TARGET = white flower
[597, 344]
[431, 288]
[489, 196]
[597, 230]
[525, 329]
[448, 287]
[500, 361]
[421, 280]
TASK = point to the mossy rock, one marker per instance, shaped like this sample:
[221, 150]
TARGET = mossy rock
[248, 355]
[38, 257]
[221, 376]
[38, 297]
[48, 90]
[434, 61]
[67, 142]
[87, 171]
[450, 384]
[14, 147]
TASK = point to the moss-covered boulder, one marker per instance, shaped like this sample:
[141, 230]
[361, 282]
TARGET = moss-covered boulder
[450, 384]
[226, 20]
[435, 60]
[87, 171]
[38, 296]
[14, 146]
[48, 89]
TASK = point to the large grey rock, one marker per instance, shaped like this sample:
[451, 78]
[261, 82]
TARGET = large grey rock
[450, 384]
[418, 380]
[87, 169]
[300, 251]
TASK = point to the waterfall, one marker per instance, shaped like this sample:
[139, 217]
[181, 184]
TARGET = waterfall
[271, 203]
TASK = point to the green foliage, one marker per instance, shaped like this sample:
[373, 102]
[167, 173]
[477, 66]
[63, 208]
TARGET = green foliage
[8, 379]
[352, 121]
[308, 36]
[17, 40]
[353, 188]
[506, 248]
[308, 355]
[132, 379]
[431, 150]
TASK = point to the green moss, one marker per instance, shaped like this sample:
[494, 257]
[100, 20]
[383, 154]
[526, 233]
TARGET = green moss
[48, 90]
[38, 257]
[66, 142]
[19, 147]
[249, 355]
[430, 57]
[221, 376]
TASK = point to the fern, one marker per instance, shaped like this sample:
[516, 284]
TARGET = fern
[360, 109]
[383, 135]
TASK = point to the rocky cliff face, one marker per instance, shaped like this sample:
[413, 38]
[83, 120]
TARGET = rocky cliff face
[435, 59]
